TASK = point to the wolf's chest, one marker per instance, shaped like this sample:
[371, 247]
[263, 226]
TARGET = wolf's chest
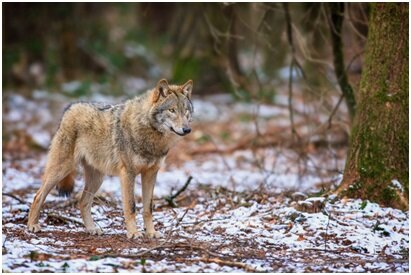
[150, 153]
[147, 150]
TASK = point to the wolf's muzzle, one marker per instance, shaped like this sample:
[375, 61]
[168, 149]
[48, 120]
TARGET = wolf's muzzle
[185, 131]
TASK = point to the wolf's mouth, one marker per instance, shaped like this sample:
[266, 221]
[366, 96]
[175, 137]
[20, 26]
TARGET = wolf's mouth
[172, 129]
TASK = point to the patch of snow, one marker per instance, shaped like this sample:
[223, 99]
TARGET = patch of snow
[14, 179]
[40, 137]
[134, 85]
[315, 199]
[71, 87]
[397, 185]
[205, 111]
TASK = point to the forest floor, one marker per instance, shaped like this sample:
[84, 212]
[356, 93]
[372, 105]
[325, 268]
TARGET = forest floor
[258, 200]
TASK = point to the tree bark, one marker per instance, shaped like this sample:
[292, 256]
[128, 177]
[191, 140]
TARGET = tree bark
[378, 153]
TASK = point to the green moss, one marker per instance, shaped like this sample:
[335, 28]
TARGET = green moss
[267, 95]
[363, 204]
[225, 135]
[203, 139]
[371, 161]
[187, 68]
[11, 55]
[388, 195]
[353, 189]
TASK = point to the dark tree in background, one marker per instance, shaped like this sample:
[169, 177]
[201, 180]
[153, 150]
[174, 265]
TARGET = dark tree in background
[379, 140]
[336, 11]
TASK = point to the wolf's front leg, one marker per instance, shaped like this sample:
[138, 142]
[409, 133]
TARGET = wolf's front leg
[148, 179]
[93, 181]
[129, 206]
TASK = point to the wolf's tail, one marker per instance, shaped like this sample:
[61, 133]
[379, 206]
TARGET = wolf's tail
[66, 186]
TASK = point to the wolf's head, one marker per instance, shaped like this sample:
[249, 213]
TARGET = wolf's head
[171, 107]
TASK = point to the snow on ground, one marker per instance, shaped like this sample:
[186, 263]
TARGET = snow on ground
[267, 232]
[235, 216]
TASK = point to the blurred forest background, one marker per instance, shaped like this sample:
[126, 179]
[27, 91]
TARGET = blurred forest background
[239, 48]
[300, 61]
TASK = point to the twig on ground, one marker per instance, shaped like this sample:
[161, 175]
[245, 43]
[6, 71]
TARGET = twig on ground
[182, 217]
[204, 221]
[16, 198]
[162, 246]
[338, 252]
[170, 199]
[3, 246]
[195, 247]
[133, 256]
[326, 230]
[246, 267]
[63, 218]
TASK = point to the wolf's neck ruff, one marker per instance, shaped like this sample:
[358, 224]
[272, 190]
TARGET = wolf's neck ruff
[139, 136]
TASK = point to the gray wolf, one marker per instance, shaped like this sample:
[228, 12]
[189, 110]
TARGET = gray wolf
[124, 140]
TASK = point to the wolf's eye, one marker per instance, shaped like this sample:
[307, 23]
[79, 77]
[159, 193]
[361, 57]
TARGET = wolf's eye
[172, 110]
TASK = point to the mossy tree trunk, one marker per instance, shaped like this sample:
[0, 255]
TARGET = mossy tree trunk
[378, 152]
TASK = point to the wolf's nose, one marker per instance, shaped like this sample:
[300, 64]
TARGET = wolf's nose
[186, 130]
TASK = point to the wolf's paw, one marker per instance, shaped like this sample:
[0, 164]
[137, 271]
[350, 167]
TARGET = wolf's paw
[34, 227]
[95, 231]
[134, 235]
[153, 235]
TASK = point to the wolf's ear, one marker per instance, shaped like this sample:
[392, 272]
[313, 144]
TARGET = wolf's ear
[187, 88]
[161, 90]
[162, 87]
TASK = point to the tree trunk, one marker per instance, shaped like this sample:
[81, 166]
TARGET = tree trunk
[378, 155]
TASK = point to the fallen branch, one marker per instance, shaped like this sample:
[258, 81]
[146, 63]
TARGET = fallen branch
[246, 267]
[131, 256]
[63, 218]
[204, 221]
[170, 199]
[160, 246]
[271, 139]
[16, 198]
[241, 145]
[195, 247]
[326, 231]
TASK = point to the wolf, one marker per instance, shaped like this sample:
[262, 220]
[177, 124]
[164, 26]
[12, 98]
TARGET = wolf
[122, 140]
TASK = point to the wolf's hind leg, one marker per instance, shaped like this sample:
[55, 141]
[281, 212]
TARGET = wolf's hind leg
[52, 176]
[93, 180]
[148, 179]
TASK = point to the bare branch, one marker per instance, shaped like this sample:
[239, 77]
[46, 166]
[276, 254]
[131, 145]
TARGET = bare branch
[170, 199]
[293, 62]
[244, 266]
[14, 197]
